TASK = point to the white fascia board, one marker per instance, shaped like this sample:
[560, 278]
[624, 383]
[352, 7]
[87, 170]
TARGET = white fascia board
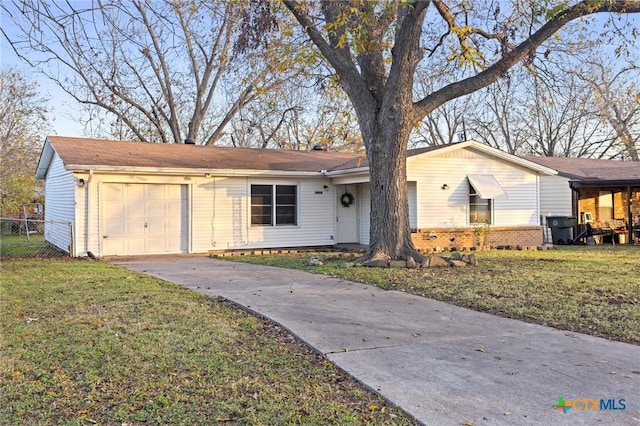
[358, 170]
[45, 160]
[189, 172]
[350, 176]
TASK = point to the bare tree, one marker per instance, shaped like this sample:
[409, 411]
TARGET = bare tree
[615, 95]
[156, 71]
[559, 121]
[297, 117]
[375, 49]
[497, 117]
[22, 123]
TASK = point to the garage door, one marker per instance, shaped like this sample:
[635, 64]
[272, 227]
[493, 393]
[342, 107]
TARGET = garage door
[143, 219]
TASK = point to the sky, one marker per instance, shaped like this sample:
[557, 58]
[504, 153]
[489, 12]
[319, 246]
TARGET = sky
[64, 116]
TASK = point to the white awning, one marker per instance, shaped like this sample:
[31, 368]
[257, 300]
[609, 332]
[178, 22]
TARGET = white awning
[486, 186]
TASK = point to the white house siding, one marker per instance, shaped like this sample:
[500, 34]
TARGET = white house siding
[316, 221]
[439, 207]
[221, 215]
[365, 212]
[555, 196]
[59, 204]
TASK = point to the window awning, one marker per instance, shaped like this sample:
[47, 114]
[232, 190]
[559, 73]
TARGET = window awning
[486, 186]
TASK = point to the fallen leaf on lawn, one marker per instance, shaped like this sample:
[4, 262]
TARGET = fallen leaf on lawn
[373, 407]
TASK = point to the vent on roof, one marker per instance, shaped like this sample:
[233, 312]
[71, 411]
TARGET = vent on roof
[189, 141]
[319, 148]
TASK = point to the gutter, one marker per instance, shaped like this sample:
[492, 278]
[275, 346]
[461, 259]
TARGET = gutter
[189, 172]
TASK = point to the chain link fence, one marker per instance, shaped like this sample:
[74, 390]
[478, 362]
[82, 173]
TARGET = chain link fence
[22, 238]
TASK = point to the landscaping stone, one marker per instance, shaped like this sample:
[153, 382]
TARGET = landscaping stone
[377, 263]
[315, 261]
[411, 263]
[455, 256]
[397, 264]
[457, 263]
[436, 261]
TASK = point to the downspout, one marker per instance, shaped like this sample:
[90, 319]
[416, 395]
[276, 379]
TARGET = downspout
[89, 213]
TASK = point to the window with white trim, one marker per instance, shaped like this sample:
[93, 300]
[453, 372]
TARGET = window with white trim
[479, 208]
[274, 205]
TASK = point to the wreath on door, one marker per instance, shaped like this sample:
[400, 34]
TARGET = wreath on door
[346, 200]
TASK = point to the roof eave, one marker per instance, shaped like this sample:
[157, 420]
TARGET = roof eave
[45, 160]
[189, 171]
[356, 170]
[603, 183]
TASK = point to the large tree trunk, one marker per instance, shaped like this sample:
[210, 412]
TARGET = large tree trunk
[390, 230]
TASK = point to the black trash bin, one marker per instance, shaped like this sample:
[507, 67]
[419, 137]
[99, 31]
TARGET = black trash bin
[561, 229]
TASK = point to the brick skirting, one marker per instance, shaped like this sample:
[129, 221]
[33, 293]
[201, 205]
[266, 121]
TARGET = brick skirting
[444, 239]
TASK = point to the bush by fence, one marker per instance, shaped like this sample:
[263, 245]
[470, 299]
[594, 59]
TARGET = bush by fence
[25, 238]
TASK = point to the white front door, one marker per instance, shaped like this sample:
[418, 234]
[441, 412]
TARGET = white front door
[144, 219]
[347, 216]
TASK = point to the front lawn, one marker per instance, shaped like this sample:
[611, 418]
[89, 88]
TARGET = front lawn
[593, 290]
[89, 343]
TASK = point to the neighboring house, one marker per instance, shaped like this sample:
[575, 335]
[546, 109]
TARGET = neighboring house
[127, 198]
[605, 193]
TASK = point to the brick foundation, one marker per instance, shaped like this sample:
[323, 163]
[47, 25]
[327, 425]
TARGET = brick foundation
[444, 239]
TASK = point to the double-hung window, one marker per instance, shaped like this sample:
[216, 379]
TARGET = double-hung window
[479, 208]
[483, 189]
[274, 205]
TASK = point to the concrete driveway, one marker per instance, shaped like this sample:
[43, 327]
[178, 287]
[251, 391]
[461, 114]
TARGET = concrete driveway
[442, 364]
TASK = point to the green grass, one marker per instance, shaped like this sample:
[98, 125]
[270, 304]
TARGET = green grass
[589, 290]
[89, 343]
[17, 247]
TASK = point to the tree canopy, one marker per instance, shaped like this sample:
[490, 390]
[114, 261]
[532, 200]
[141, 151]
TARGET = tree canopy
[22, 124]
[376, 49]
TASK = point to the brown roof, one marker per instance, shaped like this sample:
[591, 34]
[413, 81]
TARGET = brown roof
[587, 169]
[100, 152]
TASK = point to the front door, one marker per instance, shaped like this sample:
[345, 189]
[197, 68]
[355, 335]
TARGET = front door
[347, 216]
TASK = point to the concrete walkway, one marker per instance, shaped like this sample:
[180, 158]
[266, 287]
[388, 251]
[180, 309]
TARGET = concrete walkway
[442, 364]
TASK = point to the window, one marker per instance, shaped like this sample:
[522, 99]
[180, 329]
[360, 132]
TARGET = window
[479, 208]
[605, 205]
[265, 212]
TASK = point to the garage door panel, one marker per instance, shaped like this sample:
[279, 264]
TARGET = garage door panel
[144, 218]
[135, 208]
[114, 227]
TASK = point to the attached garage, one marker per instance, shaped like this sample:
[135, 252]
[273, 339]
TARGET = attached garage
[135, 198]
[144, 219]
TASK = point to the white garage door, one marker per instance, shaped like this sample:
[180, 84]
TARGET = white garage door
[143, 219]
